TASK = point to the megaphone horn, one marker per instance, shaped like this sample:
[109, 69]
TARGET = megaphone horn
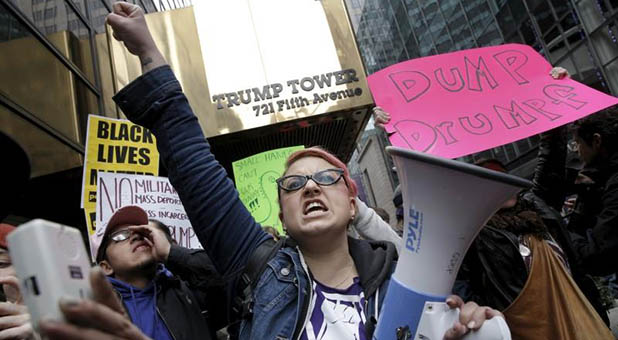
[446, 203]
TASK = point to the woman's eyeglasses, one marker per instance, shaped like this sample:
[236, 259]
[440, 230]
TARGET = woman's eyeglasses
[323, 178]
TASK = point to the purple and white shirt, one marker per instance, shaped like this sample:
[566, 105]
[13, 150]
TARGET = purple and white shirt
[336, 314]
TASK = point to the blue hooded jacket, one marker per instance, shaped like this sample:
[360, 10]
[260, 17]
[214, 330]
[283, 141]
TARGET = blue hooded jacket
[141, 305]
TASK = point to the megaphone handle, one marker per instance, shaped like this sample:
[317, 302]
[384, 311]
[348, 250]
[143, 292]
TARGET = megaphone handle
[437, 318]
[492, 329]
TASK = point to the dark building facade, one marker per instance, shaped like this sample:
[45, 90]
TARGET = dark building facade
[373, 172]
[579, 35]
[55, 70]
[390, 31]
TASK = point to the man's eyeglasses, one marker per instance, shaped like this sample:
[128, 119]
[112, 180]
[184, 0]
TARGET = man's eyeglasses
[323, 178]
[121, 235]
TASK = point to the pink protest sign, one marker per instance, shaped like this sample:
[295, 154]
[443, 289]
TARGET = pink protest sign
[459, 103]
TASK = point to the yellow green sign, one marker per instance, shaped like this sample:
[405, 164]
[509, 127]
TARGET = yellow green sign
[255, 178]
[114, 145]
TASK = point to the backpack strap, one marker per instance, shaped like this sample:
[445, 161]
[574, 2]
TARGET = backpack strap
[243, 302]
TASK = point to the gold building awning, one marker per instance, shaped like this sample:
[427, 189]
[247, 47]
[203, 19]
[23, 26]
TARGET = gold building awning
[263, 74]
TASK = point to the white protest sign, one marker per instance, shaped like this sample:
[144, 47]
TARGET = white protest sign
[153, 194]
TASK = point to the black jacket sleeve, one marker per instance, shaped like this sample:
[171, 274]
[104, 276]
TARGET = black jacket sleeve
[549, 182]
[195, 268]
[598, 251]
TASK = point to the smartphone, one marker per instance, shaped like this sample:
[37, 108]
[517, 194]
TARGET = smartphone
[51, 262]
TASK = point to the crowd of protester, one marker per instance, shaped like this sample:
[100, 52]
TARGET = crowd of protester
[536, 262]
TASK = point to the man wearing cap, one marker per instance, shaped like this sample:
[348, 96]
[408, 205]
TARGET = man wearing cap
[160, 304]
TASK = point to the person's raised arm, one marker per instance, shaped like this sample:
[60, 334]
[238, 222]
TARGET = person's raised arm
[155, 100]
[130, 27]
[371, 227]
[549, 180]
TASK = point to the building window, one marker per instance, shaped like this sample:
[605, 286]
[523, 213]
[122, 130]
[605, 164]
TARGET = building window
[72, 25]
[50, 13]
[370, 195]
[61, 106]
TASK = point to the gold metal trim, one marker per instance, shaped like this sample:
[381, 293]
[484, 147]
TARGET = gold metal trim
[231, 56]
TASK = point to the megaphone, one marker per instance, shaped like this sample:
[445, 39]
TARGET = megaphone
[446, 203]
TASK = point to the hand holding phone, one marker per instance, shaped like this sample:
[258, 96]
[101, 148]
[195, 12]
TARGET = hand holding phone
[51, 263]
[102, 318]
[14, 316]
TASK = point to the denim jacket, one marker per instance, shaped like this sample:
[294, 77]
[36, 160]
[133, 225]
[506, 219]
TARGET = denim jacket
[223, 225]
